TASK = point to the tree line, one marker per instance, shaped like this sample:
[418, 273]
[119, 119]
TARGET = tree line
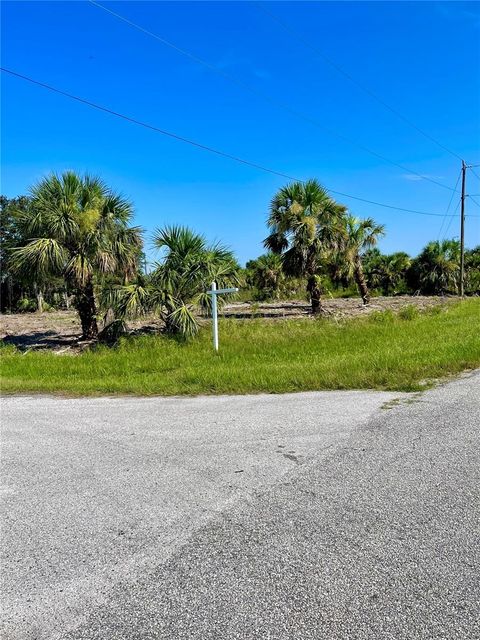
[72, 241]
[435, 271]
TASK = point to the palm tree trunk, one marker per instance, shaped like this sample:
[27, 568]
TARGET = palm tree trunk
[66, 299]
[361, 282]
[39, 297]
[10, 288]
[87, 310]
[315, 294]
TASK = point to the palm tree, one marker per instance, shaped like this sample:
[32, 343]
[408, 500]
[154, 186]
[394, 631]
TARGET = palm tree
[304, 222]
[436, 269]
[359, 235]
[472, 270]
[386, 271]
[78, 229]
[11, 284]
[178, 285]
[266, 275]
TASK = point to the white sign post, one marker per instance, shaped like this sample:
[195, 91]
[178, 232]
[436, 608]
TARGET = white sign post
[214, 293]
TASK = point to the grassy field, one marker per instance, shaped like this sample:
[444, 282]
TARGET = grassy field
[381, 351]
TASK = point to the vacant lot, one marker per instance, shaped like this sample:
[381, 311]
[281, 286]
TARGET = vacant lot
[383, 350]
[60, 330]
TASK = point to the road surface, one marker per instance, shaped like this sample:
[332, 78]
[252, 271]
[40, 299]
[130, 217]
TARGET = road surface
[335, 515]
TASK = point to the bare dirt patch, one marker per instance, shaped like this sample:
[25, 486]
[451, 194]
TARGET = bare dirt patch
[57, 330]
[336, 307]
[60, 330]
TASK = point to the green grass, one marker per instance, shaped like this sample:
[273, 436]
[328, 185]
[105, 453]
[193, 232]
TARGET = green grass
[382, 351]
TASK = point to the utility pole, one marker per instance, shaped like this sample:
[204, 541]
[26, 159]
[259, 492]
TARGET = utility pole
[462, 230]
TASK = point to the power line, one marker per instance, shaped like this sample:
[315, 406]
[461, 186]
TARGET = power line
[450, 221]
[474, 172]
[264, 96]
[202, 146]
[473, 200]
[449, 205]
[349, 77]
[145, 124]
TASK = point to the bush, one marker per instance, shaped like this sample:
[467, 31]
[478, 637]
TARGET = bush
[383, 317]
[436, 310]
[26, 305]
[112, 333]
[410, 312]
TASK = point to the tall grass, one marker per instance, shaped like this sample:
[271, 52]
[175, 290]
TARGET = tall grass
[382, 351]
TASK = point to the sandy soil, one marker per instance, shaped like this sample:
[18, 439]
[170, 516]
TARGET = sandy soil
[60, 330]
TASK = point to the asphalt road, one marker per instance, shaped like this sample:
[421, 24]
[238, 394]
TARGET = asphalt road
[349, 515]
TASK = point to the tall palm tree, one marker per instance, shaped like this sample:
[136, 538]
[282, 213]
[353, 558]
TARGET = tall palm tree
[359, 235]
[79, 229]
[178, 285]
[304, 222]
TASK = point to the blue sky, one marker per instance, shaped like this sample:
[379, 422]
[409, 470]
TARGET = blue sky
[421, 58]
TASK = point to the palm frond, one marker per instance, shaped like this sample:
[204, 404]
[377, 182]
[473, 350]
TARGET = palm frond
[117, 208]
[40, 258]
[276, 242]
[182, 320]
[79, 270]
[124, 245]
[179, 241]
[127, 301]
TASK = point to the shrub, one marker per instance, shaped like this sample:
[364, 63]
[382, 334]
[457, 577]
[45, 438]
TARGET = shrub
[410, 312]
[26, 305]
[383, 317]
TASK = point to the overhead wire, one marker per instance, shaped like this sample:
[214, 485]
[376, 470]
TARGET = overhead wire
[245, 86]
[450, 221]
[449, 205]
[204, 147]
[342, 71]
[473, 200]
[471, 166]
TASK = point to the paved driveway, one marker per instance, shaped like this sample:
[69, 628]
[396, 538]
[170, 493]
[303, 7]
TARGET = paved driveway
[321, 515]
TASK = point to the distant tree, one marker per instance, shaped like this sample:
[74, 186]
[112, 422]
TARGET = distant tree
[10, 237]
[359, 235]
[142, 263]
[266, 275]
[472, 270]
[386, 272]
[177, 287]
[436, 269]
[304, 224]
[78, 228]
[371, 258]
